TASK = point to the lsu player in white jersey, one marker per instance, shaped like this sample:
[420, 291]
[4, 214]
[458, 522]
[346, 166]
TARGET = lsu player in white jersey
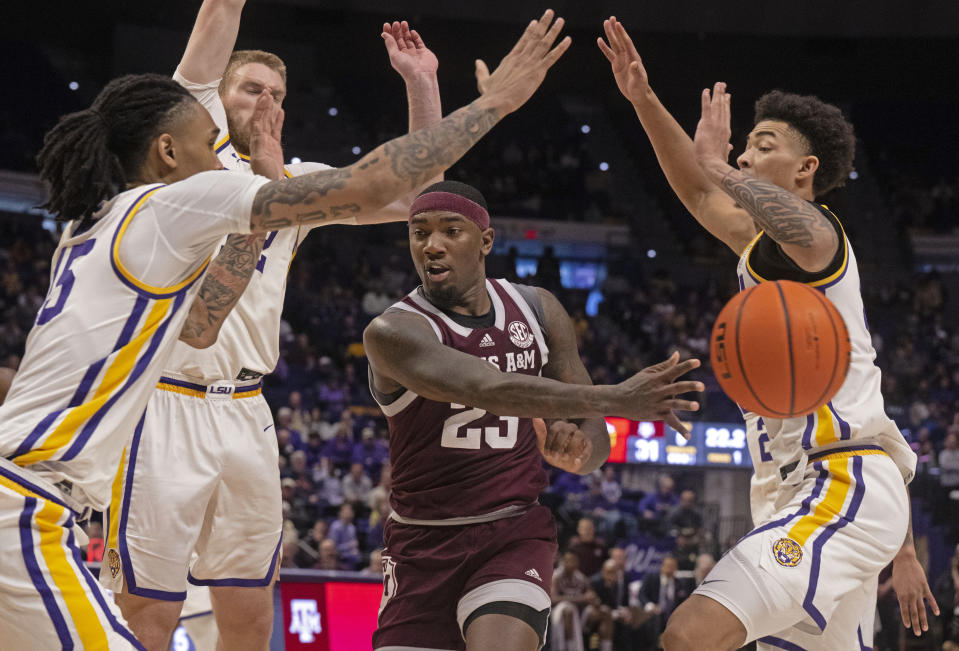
[207, 416]
[828, 494]
[146, 216]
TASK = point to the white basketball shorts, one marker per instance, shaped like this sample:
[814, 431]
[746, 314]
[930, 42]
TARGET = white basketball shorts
[197, 495]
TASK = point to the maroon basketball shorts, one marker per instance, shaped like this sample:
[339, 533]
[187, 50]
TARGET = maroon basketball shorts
[435, 577]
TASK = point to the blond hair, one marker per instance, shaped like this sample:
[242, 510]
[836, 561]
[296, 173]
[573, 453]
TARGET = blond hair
[243, 57]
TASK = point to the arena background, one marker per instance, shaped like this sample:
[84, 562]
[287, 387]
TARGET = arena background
[572, 171]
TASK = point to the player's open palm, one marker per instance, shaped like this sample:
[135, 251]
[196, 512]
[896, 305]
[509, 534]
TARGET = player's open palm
[266, 150]
[522, 71]
[713, 131]
[651, 393]
[625, 61]
[562, 444]
[409, 55]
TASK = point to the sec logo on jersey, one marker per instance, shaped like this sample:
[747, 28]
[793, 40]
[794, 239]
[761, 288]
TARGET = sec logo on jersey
[519, 334]
[787, 552]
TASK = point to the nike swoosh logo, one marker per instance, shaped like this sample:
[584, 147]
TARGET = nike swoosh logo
[712, 581]
[267, 427]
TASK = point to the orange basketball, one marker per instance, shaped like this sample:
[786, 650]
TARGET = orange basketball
[780, 349]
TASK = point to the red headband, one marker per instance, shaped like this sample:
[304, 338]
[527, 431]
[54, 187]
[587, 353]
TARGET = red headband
[454, 203]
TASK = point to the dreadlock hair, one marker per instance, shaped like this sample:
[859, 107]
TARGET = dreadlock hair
[829, 134]
[243, 57]
[91, 155]
[462, 189]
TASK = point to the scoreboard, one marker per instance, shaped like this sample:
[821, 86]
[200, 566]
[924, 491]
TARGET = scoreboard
[713, 445]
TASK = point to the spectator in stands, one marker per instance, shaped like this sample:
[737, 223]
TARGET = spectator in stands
[314, 448]
[704, 565]
[379, 516]
[300, 416]
[301, 512]
[687, 549]
[329, 558]
[285, 442]
[284, 420]
[343, 535]
[569, 594]
[357, 487]
[686, 515]
[339, 450]
[656, 507]
[329, 487]
[290, 547]
[660, 595]
[609, 614]
[299, 469]
[949, 460]
[381, 492]
[590, 550]
[375, 566]
[371, 452]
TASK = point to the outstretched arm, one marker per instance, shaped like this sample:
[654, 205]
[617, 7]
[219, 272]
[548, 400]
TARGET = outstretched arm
[803, 232]
[711, 207]
[582, 445]
[404, 352]
[211, 41]
[391, 170]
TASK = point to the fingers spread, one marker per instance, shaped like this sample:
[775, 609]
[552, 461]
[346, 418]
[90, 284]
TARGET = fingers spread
[557, 52]
[605, 49]
[682, 368]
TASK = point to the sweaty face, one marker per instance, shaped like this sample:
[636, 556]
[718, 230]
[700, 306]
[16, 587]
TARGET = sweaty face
[194, 136]
[239, 99]
[448, 252]
[775, 152]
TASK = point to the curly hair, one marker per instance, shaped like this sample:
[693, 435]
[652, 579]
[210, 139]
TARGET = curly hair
[825, 128]
[91, 155]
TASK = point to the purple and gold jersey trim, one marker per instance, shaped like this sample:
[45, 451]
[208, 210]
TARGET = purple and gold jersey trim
[128, 278]
[203, 390]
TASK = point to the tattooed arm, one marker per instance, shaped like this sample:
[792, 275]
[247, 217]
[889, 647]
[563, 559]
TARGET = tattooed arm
[711, 207]
[393, 169]
[804, 233]
[225, 280]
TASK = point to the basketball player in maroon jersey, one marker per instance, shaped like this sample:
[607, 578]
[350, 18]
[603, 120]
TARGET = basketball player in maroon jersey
[460, 367]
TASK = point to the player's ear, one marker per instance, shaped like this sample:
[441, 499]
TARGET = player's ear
[164, 148]
[487, 237]
[808, 166]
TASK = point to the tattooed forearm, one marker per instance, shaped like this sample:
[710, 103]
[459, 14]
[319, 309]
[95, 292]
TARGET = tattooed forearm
[379, 178]
[224, 283]
[785, 217]
[421, 155]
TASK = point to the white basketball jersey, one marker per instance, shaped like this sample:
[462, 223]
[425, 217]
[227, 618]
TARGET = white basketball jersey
[249, 341]
[856, 414]
[119, 294]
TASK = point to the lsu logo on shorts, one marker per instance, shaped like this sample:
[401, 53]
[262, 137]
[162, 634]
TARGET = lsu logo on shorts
[113, 561]
[787, 552]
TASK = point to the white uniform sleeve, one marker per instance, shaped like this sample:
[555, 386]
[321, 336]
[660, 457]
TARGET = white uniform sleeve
[209, 96]
[177, 228]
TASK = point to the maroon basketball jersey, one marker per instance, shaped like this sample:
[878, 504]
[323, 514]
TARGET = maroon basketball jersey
[450, 460]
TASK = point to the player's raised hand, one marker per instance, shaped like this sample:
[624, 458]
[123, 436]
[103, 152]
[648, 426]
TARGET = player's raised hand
[912, 590]
[562, 444]
[651, 393]
[409, 55]
[522, 71]
[625, 61]
[713, 131]
[266, 150]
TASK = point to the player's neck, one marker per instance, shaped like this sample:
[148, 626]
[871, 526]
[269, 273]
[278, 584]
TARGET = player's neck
[473, 302]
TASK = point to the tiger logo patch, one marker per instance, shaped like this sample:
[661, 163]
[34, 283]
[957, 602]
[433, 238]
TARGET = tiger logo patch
[787, 552]
[113, 562]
